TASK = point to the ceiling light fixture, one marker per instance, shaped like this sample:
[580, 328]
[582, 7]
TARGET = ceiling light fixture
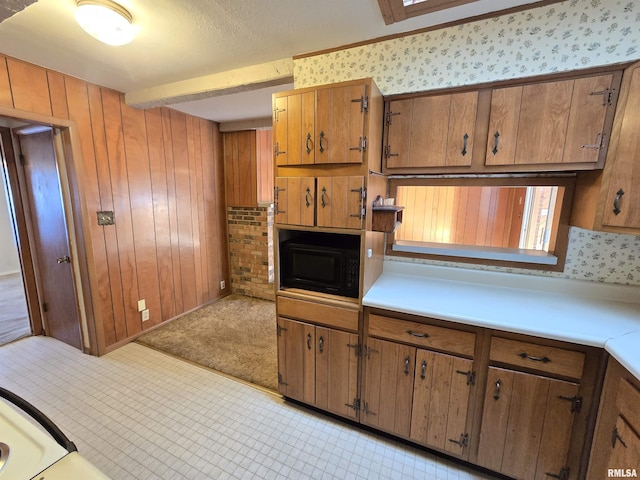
[106, 21]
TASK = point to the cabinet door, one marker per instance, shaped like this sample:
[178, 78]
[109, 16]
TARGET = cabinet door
[388, 386]
[625, 443]
[431, 131]
[293, 129]
[336, 371]
[295, 200]
[526, 424]
[548, 123]
[625, 170]
[296, 360]
[339, 202]
[440, 401]
[340, 124]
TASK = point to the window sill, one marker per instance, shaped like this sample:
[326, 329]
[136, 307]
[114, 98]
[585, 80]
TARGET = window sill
[480, 253]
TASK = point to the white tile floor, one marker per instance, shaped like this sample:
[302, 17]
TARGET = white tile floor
[140, 414]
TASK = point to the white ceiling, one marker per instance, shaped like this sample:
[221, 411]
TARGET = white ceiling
[179, 40]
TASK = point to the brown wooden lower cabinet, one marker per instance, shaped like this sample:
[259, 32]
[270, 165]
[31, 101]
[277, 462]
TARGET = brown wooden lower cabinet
[616, 446]
[526, 424]
[318, 366]
[516, 405]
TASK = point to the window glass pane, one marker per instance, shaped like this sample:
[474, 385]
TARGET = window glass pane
[483, 216]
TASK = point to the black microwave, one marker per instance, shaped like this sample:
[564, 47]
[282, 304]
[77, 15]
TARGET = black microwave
[322, 263]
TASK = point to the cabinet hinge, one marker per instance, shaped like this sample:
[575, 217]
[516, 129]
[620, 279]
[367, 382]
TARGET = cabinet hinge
[562, 475]
[576, 402]
[388, 117]
[367, 351]
[463, 441]
[357, 348]
[387, 152]
[276, 113]
[364, 103]
[355, 405]
[607, 96]
[280, 329]
[471, 376]
[280, 382]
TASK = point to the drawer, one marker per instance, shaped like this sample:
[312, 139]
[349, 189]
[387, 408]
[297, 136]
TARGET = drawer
[557, 361]
[423, 335]
[627, 401]
[328, 315]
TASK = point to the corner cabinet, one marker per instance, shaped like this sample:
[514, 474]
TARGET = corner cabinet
[616, 445]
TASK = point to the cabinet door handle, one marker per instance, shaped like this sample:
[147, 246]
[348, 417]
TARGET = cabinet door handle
[464, 145]
[496, 395]
[423, 370]
[323, 202]
[309, 142]
[616, 202]
[406, 365]
[495, 143]
[419, 335]
[307, 195]
[322, 136]
[535, 359]
[309, 341]
[321, 345]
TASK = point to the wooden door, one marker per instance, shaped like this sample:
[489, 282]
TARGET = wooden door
[340, 124]
[526, 424]
[623, 195]
[625, 447]
[50, 239]
[440, 401]
[295, 200]
[336, 371]
[296, 360]
[388, 386]
[503, 125]
[399, 119]
[339, 202]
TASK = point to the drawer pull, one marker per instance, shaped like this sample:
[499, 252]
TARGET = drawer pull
[463, 442]
[309, 341]
[406, 365]
[424, 369]
[419, 335]
[535, 359]
[496, 395]
[616, 202]
[321, 345]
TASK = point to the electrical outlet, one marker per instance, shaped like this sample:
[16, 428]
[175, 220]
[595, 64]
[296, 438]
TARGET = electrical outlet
[222, 285]
[145, 315]
[142, 305]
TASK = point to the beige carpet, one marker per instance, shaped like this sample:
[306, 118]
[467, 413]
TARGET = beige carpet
[235, 335]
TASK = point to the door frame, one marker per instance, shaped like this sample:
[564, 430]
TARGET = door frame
[69, 161]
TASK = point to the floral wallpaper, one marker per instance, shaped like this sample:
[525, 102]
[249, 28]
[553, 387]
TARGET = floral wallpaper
[574, 34]
[595, 256]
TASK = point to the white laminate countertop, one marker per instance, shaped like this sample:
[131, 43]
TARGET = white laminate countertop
[575, 311]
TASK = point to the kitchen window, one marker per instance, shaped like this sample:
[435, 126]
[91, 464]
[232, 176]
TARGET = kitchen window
[519, 222]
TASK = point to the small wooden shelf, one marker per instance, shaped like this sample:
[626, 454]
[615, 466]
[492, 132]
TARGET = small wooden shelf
[386, 218]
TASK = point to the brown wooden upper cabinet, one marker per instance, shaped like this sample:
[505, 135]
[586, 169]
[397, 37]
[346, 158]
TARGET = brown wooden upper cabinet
[321, 126]
[551, 123]
[335, 202]
[435, 131]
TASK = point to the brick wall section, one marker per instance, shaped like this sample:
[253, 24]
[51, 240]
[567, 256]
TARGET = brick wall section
[251, 251]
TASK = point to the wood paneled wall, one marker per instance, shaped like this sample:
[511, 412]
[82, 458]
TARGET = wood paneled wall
[162, 173]
[483, 216]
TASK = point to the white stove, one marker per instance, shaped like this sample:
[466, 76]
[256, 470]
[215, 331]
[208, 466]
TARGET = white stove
[28, 452]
